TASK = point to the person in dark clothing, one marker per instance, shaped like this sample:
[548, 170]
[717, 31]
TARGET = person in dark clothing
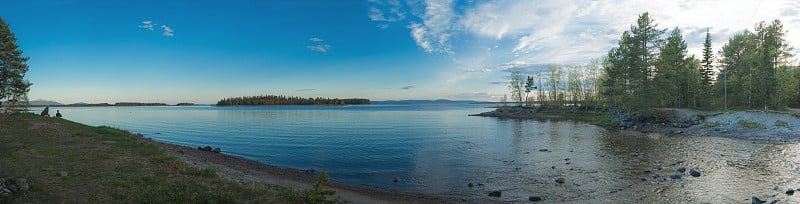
[58, 114]
[46, 111]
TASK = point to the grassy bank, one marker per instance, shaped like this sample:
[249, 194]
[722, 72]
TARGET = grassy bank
[68, 162]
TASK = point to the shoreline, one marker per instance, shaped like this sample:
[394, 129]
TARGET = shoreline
[745, 125]
[244, 171]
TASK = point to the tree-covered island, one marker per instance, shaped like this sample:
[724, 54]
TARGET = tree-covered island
[273, 100]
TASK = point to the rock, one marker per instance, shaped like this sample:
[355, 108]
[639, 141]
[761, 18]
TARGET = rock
[535, 198]
[206, 148]
[676, 163]
[560, 180]
[396, 180]
[63, 173]
[773, 202]
[776, 188]
[495, 193]
[658, 167]
[642, 179]
[216, 150]
[675, 176]
[790, 191]
[23, 184]
[543, 150]
[694, 172]
[681, 170]
[470, 185]
[647, 172]
[757, 201]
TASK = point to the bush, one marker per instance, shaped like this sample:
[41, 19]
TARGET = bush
[749, 125]
[780, 123]
[708, 124]
[319, 194]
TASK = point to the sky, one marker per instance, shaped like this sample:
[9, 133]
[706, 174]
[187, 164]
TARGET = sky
[201, 51]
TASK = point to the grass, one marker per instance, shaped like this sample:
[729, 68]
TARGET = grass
[749, 125]
[781, 123]
[107, 165]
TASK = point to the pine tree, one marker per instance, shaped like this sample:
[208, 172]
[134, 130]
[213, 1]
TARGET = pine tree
[13, 85]
[708, 57]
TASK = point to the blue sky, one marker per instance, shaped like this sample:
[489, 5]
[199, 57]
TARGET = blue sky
[201, 50]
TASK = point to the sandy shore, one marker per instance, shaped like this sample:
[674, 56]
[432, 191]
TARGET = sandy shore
[244, 170]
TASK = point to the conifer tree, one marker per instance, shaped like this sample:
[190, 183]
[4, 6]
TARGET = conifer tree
[13, 86]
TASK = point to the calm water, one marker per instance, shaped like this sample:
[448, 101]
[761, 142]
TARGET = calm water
[438, 149]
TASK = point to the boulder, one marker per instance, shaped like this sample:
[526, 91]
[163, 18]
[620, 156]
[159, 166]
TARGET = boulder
[495, 193]
[675, 176]
[757, 201]
[790, 191]
[396, 180]
[681, 170]
[217, 150]
[535, 198]
[206, 148]
[560, 180]
[694, 172]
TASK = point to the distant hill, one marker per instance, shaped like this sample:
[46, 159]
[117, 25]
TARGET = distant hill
[42, 102]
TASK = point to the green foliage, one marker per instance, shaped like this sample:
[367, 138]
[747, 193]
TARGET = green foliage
[13, 67]
[288, 100]
[629, 68]
[201, 172]
[708, 124]
[319, 194]
[781, 123]
[746, 124]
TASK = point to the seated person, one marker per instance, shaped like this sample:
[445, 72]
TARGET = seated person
[58, 114]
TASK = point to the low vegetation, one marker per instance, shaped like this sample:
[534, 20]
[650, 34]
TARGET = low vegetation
[67, 162]
[745, 124]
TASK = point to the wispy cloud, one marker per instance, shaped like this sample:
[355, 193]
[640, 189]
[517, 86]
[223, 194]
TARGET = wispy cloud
[167, 31]
[409, 87]
[148, 25]
[386, 12]
[498, 82]
[319, 46]
[305, 90]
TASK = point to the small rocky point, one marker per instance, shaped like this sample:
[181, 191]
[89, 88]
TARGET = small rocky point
[209, 149]
[11, 186]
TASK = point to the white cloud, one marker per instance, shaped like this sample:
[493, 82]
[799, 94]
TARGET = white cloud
[147, 25]
[167, 31]
[409, 87]
[319, 48]
[386, 12]
[315, 39]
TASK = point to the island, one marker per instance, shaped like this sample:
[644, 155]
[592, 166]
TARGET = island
[273, 100]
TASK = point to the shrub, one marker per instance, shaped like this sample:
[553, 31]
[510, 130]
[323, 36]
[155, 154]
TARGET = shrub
[749, 125]
[319, 194]
[781, 123]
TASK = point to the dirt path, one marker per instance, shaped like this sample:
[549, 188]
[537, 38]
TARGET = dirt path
[244, 171]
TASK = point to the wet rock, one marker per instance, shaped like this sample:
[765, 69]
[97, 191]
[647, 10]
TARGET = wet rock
[675, 176]
[560, 180]
[396, 180]
[757, 201]
[206, 148]
[790, 191]
[495, 193]
[470, 185]
[217, 150]
[535, 198]
[694, 172]
[681, 170]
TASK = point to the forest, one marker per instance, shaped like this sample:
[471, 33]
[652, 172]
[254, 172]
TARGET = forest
[288, 100]
[650, 68]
